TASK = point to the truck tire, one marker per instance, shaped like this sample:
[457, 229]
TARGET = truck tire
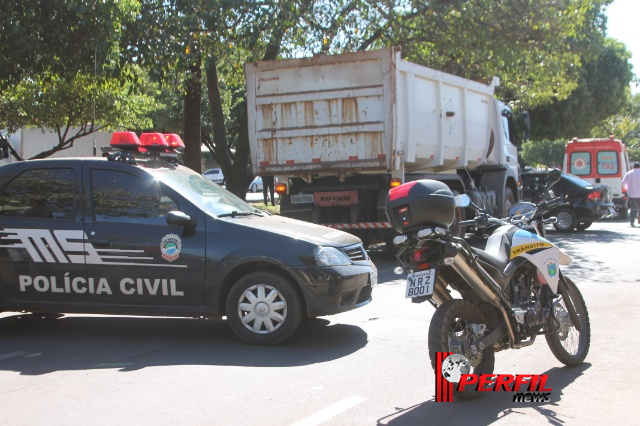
[509, 200]
[263, 308]
[457, 230]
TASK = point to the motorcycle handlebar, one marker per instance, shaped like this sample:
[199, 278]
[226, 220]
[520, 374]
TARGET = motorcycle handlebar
[484, 219]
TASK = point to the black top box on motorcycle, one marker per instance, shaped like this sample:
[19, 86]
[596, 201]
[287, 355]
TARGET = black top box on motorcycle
[420, 204]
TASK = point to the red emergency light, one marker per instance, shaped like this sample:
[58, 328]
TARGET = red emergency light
[125, 139]
[156, 140]
[174, 140]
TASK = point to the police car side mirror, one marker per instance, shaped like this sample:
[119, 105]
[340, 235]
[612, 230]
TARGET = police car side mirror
[180, 219]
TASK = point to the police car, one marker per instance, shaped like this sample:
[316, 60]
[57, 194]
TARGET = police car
[136, 233]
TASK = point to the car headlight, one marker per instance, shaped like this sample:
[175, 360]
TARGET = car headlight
[330, 256]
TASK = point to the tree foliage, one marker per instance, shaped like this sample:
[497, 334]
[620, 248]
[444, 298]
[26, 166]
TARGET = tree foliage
[546, 52]
[74, 107]
[601, 92]
[60, 37]
[543, 153]
[60, 69]
[624, 125]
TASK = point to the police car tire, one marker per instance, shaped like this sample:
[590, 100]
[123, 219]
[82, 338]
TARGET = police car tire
[566, 220]
[274, 303]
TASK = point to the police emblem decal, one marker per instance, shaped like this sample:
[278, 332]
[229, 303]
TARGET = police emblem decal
[170, 247]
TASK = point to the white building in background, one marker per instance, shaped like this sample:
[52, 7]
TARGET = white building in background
[31, 142]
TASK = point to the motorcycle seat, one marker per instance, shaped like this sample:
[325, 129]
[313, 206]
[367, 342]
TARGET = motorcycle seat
[498, 260]
[496, 252]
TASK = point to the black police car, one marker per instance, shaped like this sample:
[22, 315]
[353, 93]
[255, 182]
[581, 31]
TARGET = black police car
[137, 234]
[584, 202]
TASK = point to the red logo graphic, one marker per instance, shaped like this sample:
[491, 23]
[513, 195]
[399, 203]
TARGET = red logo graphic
[455, 367]
[444, 388]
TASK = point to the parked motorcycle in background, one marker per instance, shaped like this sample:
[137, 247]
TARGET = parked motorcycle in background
[488, 300]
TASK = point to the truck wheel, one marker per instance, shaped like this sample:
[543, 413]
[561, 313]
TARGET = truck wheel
[509, 200]
[457, 230]
[263, 308]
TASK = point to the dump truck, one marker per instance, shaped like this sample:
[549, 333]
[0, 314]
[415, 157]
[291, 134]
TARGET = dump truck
[339, 131]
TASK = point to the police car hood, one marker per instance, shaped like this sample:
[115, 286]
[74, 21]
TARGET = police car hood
[305, 231]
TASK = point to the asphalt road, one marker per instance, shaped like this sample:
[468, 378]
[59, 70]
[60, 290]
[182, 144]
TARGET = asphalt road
[365, 367]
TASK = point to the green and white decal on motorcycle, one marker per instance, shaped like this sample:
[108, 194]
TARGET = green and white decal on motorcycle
[545, 255]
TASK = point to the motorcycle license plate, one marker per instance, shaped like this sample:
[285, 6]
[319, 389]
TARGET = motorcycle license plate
[420, 283]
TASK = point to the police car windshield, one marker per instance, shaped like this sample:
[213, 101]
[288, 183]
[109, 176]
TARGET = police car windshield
[202, 192]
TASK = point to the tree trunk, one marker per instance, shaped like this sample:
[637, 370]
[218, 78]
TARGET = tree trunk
[193, 94]
[236, 169]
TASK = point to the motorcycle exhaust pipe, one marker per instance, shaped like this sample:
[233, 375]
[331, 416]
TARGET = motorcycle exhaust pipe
[461, 266]
[440, 292]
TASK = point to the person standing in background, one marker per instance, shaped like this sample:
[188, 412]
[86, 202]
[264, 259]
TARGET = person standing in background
[631, 181]
[268, 184]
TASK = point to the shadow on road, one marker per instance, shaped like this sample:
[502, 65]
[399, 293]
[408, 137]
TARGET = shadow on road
[40, 345]
[490, 407]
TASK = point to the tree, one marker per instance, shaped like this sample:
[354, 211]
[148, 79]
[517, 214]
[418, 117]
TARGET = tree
[544, 153]
[60, 37]
[533, 48]
[602, 91]
[73, 107]
[60, 68]
[624, 125]
[537, 49]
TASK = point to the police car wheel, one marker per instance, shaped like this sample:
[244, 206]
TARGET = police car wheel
[263, 309]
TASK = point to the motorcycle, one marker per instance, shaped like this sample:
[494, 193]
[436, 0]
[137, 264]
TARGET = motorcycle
[487, 300]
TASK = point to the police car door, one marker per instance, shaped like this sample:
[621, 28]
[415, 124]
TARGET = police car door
[41, 251]
[134, 257]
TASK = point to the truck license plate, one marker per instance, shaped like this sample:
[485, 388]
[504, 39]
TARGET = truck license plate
[420, 283]
[302, 199]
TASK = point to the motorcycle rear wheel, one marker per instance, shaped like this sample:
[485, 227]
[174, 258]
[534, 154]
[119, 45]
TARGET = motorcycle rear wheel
[450, 321]
[567, 344]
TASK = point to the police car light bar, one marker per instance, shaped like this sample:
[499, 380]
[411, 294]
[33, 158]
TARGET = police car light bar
[127, 147]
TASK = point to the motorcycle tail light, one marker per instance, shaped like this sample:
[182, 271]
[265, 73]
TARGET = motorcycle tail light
[422, 266]
[417, 259]
[281, 188]
[595, 196]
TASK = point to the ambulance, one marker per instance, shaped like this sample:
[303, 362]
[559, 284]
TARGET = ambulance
[600, 161]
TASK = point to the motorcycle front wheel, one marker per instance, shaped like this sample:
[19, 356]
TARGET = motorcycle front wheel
[568, 344]
[451, 330]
